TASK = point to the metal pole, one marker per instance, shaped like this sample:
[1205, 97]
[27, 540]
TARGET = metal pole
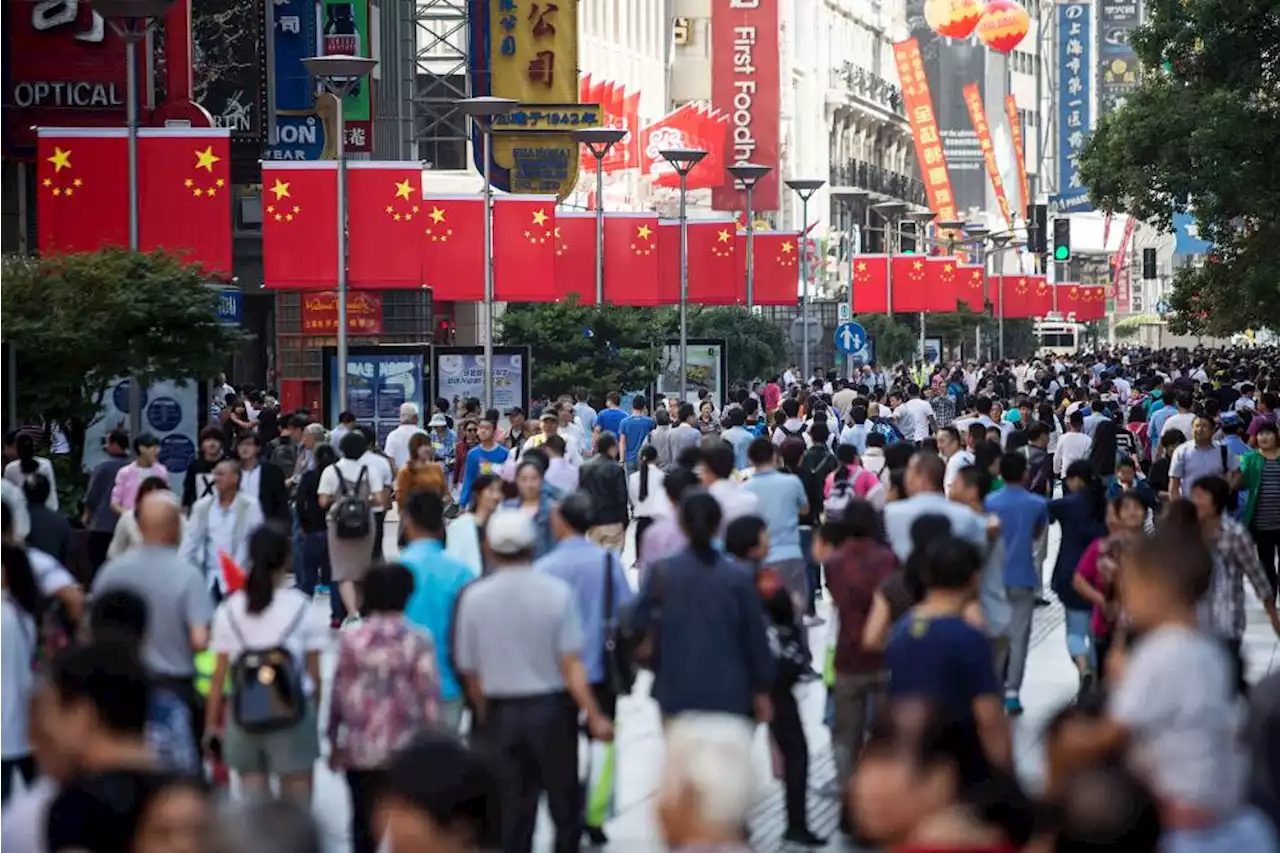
[888, 270]
[751, 251]
[924, 358]
[684, 287]
[599, 225]
[1000, 316]
[804, 289]
[131, 121]
[342, 258]
[488, 273]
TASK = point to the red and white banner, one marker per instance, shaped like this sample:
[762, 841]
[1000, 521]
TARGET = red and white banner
[1120, 266]
[745, 87]
[1019, 151]
[618, 109]
[691, 126]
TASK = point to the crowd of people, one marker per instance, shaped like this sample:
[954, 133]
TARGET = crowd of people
[884, 535]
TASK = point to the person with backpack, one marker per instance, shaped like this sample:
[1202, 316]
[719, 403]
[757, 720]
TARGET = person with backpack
[268, 639]
[282, 451]
[350, 490]
[792, 426]
[850, 480]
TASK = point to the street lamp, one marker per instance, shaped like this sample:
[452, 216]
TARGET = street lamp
[598, 141]
[890, 212]
[750, 174]
[132, 20]
[851, 198]
[339, 74]
[683, 160]
[482, 111]
[805, 188]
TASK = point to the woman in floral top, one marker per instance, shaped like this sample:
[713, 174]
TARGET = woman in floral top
[386, 690]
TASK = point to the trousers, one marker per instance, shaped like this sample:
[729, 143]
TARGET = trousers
[788, 733]
[1022, 606]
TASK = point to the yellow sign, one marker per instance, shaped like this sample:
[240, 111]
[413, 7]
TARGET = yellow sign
[548, 118]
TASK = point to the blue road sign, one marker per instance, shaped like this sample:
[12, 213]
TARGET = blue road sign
[850, 337]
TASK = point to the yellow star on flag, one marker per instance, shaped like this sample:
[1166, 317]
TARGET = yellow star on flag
[918, 265]
[539, 217]
[281, 189]
[788, 248]
[206, 158]
[60, 159]
[724, 236]
[437, 215]
[390, 209]
[188, 183]
[404, 189]
[862, 266]
[643, 232]
[946, 267]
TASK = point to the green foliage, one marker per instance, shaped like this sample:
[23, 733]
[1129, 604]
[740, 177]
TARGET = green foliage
[1205, 135]
[79, 322]
[897, 337]
[755, 347]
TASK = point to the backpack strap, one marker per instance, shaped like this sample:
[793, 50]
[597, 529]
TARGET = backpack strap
[295, 622]
[1225, 469]
[361, 478]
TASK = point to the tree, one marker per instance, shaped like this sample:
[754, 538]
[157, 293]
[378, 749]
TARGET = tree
[895, 339]
[1202, 133]
[754, 347]
[598, 349]
[78, 323]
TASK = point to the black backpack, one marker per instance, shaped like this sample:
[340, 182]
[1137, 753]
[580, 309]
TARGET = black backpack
[266, 684]
[352, 513]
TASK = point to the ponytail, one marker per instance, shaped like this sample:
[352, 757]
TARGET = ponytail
[268, 558]
[648, 455]
[700, 516]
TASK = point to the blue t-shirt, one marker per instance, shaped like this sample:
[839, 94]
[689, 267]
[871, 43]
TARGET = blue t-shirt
[437, 580]
[1021, 515]
[779, 498]
[942, 659]
[610, 419]
[480, 461]
[635, 429]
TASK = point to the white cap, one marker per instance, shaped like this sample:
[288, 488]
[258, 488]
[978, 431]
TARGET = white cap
[438, 420]
[408, 412]
[510, 531]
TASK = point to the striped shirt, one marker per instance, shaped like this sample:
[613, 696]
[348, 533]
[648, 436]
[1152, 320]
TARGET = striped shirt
[1266, 513]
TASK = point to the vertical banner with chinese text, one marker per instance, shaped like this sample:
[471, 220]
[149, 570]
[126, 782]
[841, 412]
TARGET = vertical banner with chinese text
[1075, 100]
[1120, 270]
[745, 87]
[1019, 149]
[924, 129]
[978, 115]
[1118, 69]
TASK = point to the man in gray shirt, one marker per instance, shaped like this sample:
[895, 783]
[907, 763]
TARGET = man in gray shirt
[518, 648]
[685, 434]
[1201, 457]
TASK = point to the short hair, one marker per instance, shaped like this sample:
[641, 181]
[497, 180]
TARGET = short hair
[1076, 419]
[708, 760]
[1172, 438]
[638, 403]
[718, 456]
[1013, 467]
[120, 438]
[876, 439]
[931, 467]
[299, 422]
[605, 442]
[557, 444]
[1217, 489]
[1177, 557]
[120, 615]
[354, 445]
[951, 431]
[145, 440]
[791, 407]
[462, 793]
[684, 412]
[1037, 431]
[760, 451]
[109, 676]
[736, 417]
[577, 511]
[1186, 400]
[1268, 427]
[820, 432]
[346, 417]
[861, 519]
[426, 509]
[249, 438]
[951, 564]
[387, 589]
[743, 534]
[1126, 462]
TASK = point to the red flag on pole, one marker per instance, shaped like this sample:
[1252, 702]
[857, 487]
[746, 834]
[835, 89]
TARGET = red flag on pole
[299, 225]
[776, 270]
[631, 259]
[940, 295]
[82, 189]
[384, 223]
[971, 286]
[870, 284]
[185, 176]
[576, 255]
[910, 283]
[1069, 300]
[712, 263]
[1040, 299]
[524, 249]
[1017, 297]
[453, 247]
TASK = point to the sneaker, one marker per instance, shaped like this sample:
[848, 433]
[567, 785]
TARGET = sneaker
[1041, 601]
[814, 621]
[335, 624]
[351, 621]
[804, 838]
[1013, 706]
[322, 589]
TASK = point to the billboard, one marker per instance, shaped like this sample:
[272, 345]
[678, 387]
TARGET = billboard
[63, 67]
[745, 87]
[1075, 101]
[706, 368]
[346, 30]
[229, 64]
[930, 154]
[379, 380]
[1118, 69]
[296, 131]
[459, 375]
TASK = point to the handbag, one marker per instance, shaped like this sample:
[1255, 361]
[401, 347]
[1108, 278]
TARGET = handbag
[619, 662]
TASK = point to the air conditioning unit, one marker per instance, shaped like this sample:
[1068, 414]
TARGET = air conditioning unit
[681, 32]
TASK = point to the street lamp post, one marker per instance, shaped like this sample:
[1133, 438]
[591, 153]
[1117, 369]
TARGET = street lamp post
[890, 212]
[132, 20]
[339, 74]
[482, 110]
[683, 160]
[750, 174]
[921, 218]
[598, 141]
[805, 188]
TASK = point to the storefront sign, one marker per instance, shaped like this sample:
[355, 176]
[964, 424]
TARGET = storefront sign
[1075, 101]
[320, 313]
[745, 87]
[296, 131]
[346, 31]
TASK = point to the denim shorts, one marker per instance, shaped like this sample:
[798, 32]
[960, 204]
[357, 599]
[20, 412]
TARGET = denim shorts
[1078, 642]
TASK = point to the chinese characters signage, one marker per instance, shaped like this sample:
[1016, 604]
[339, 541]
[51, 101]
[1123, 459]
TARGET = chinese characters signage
[553, 118]
[1019, 148]
[297, 131]
[1075, 101]
[379, 381]
[924, 129]
[320, 313]
[527, 50]
[1118, 69]
[459, 374]
[978, 115]
[346, 31]
[744, 86]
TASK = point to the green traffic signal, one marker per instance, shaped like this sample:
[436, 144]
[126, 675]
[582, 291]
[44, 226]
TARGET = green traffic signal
[1062, 253]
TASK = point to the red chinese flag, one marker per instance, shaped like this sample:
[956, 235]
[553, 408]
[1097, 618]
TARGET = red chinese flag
[631, 259]
[453, 248]
[299, 225]
[941, 293]
[910, 283]
[776, 276]
[1095, 303]
[1068, 299]
[82, 189]
[576, 255]
[713, 276]
[870, 284]
[184, 175]
[1040, 299]
[971, 286]
[524, 249]
[384, 225]
[1017, 297]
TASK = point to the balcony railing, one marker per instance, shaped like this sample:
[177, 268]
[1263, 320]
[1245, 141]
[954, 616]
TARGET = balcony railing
[860, 174]
[869, 86]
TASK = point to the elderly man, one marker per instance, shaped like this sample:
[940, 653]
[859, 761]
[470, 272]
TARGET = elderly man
[219, 528]
[397, 444]
[708, 783]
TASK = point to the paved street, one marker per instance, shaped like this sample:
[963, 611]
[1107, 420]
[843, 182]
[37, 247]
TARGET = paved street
[1050, 683]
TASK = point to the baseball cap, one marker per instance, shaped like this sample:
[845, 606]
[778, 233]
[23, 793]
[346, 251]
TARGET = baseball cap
[510, 531]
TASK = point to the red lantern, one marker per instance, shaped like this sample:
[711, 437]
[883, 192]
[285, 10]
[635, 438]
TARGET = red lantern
[954, 19]
[1003, 26]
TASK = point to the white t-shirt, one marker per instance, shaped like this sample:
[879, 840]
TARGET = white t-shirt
[656, 504]
[17, 645]
[1182, 422]
[51, 575]
[268, 629]
[913, 419]
[377, 474]
[13, 473]
[1072, 447]
[397, 444]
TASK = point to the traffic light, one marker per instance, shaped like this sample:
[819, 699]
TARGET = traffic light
[1149, 265]
[1061, 240]
[1037, 216]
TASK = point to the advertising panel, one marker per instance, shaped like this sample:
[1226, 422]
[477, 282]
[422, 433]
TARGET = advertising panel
[459, 375]
[63, 67]
[1075, 101]
[745, 87]
[978, 115]
[171, 411]
[705, 368]
[528, 52]
[297, 131]
[1118, 68]
[229, 64]
[924, 129]
[379, 380]
[346, 31]
[320, 313]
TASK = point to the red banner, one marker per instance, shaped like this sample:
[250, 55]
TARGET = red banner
[745, 87]
[82, 192]
[631, 271]
[299, 225]
[690, 126]
[576, 255]
[924, 129]
[910, 283]
[320, 313]
[870, 284]
[775, 264]
[184, 174]
[453, 247]
[1019, 150]
[712, 265]
[524, 249]
[978, 117]
[970, 287]
[943, 283]
[384, 224]
[1120, 264]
